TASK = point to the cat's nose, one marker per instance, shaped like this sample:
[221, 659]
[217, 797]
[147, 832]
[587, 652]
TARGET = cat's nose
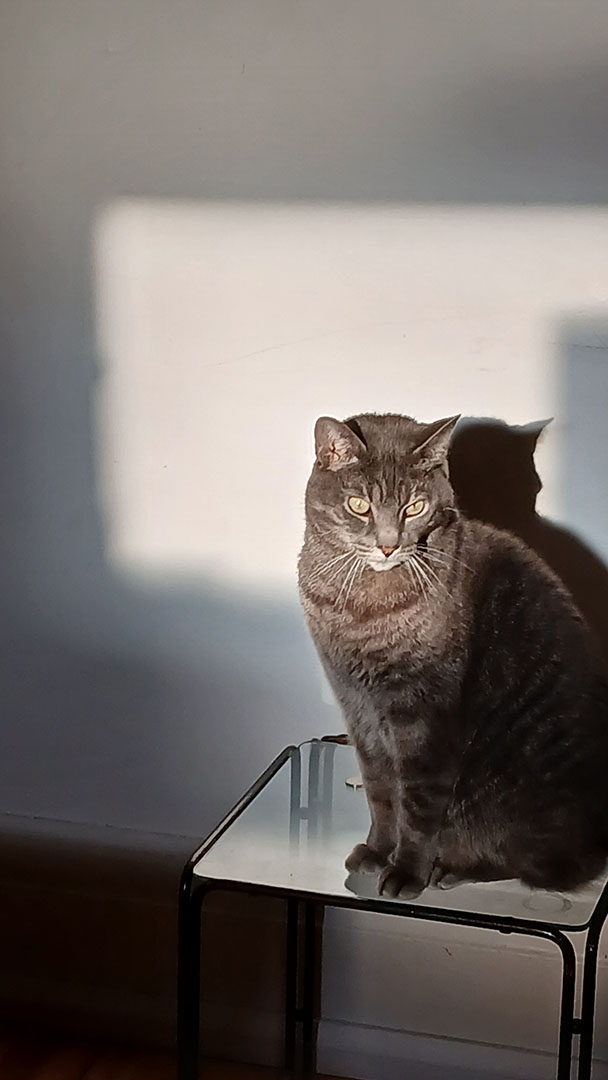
[388, 550]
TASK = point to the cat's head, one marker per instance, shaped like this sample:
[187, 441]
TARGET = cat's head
[379, 485]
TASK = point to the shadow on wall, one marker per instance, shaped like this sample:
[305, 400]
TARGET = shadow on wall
[148, 706]
[495, 479]
[162, 728]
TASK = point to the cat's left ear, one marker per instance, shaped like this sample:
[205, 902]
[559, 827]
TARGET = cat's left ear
[433, 449]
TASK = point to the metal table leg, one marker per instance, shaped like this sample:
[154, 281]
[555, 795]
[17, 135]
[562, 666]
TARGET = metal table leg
[302, 985]
[311, 987]
[588, 1003]
[587, 1019]
[192, 896]
[566, 1018]
[291, 985]
[302, 988]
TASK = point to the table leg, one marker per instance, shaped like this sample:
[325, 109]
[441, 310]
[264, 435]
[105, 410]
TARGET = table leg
[302, 970]
[291, 984]
[566, 1016]
[588, 1003]
[313, 929]
[192, 895]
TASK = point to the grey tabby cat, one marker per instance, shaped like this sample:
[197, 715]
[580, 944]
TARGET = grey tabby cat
[470, 686]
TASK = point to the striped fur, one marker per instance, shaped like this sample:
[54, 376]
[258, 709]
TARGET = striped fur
[470, 685]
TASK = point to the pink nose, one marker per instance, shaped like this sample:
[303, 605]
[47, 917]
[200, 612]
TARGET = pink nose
[388, 550]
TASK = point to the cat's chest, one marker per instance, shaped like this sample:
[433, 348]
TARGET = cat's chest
[368, 647]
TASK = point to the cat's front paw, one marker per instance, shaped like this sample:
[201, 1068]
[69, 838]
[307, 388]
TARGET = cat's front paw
[443, 879]
[365, 860]
[397, 883]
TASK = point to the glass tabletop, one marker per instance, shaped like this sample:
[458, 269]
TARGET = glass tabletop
[297, 831]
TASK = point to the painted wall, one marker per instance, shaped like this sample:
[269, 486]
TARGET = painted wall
[221, 220]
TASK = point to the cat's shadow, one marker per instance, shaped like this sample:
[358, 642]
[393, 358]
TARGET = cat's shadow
[494, 477]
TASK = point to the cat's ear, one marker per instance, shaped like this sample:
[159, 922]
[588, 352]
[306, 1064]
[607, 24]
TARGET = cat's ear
[336, 445]
[435, 442]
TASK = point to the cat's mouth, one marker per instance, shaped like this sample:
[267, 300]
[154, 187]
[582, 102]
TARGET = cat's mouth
[380, 562]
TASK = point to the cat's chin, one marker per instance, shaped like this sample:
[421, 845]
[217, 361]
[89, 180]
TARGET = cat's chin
[381, 568]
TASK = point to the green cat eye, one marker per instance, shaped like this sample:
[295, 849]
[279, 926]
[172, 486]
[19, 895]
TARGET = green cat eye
[358, 505]
[416, 508]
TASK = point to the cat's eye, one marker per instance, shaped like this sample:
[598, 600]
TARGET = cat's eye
[358, 505]
[416, 508]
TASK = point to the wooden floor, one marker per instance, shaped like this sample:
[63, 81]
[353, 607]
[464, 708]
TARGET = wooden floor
[23, 1058]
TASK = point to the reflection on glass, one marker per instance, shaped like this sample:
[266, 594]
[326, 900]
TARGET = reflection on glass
[298, 831]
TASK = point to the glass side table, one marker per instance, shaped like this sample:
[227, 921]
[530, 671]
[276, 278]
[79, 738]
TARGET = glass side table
[289, 835]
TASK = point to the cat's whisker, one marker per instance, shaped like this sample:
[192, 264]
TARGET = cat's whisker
[448, 554]
[411, 572]
[342, 586]
[433, 575]
[352, 580]
[328, 582]
[417, 578]
[444, 556]
[424, 578]
[345, 566]
[427, 569]
[434, 583]
[347, 580]
[447, 561]
[438, 582]
[336, 571]
[321, 570]
[358, 570]
[334, 559]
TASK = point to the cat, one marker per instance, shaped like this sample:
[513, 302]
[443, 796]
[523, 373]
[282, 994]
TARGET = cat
[470, 685]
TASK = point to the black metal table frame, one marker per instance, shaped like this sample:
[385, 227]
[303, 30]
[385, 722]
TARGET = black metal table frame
[304, 945]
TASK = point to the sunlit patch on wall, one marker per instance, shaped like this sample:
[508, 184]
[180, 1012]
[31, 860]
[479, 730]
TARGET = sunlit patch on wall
[225, 329]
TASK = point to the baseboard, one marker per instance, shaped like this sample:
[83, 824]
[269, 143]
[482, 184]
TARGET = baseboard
[372, 1053]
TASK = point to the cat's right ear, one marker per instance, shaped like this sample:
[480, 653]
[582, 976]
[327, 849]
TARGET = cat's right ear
[336, 445]
[436, 441]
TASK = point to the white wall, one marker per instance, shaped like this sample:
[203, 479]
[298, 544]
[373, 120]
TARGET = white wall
[221, 220]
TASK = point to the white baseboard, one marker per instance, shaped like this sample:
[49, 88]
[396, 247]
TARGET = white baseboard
[373, 1053]
[368, 1053]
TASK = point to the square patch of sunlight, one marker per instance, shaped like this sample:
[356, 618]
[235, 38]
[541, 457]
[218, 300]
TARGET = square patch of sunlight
[225, 329]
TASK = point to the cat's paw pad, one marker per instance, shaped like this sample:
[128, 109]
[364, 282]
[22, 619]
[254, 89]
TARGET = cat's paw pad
[364, 860]
[398, 884]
